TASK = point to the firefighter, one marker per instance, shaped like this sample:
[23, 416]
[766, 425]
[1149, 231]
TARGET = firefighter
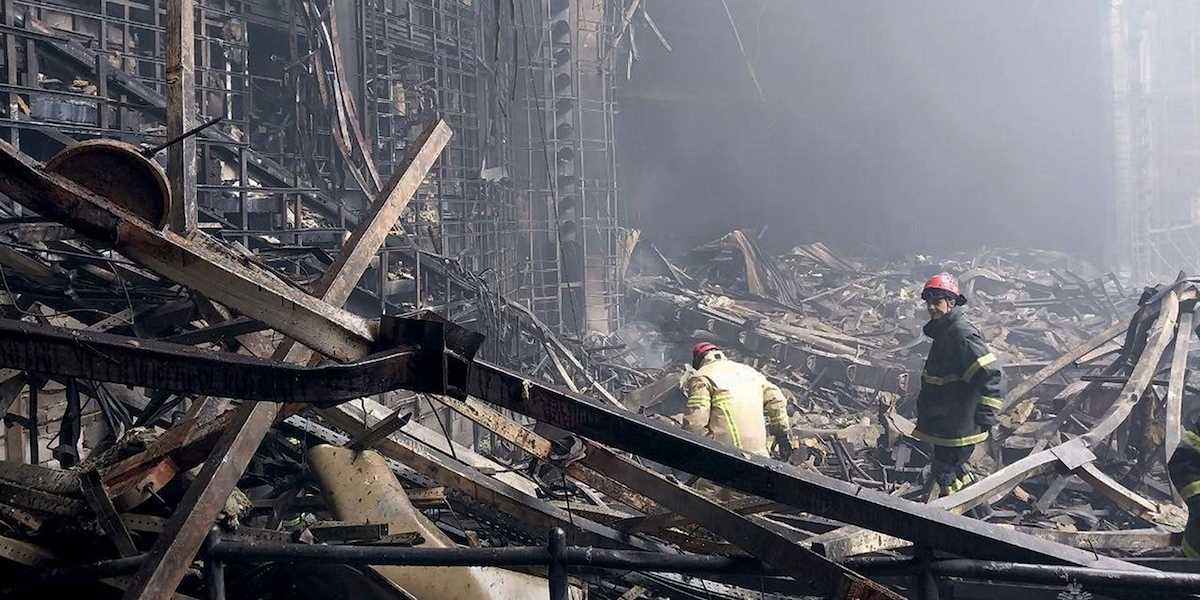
[735, 404]
[960, 386]
[1184, 467]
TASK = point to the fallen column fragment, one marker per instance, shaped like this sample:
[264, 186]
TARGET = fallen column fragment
[361, 488]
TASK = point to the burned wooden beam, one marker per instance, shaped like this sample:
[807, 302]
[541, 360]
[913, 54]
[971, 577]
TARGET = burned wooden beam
[181, 111]
[163, 571]
[97, 498]
[173, 551]
[187, 369]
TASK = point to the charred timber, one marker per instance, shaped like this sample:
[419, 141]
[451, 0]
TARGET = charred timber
[187, 369]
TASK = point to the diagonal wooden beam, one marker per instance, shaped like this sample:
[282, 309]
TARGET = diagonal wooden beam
[1018, 393]
[185, 532]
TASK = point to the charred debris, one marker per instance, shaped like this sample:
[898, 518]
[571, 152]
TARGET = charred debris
[339, 356]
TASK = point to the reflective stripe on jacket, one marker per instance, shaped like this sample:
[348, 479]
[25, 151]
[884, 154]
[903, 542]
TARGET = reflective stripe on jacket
[1185, 464]
[960, 386]
[1184, 468]
[734, 404]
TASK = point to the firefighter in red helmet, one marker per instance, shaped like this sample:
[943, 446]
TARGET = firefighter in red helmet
[960, 386]
[735, 404]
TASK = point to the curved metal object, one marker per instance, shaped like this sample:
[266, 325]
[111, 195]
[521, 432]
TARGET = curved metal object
[119, 172]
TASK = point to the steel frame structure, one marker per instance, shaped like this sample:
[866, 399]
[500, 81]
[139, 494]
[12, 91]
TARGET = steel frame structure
[565, 163]
[1156, 116]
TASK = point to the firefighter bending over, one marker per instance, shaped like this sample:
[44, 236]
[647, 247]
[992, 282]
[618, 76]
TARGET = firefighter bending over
[734, 404]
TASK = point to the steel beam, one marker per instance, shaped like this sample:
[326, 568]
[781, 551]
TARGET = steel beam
[763, 477]
[463, 478]
[96, 496]
[755, 536]
[187, 369]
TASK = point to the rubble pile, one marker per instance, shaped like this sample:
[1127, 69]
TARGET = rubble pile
[231, 461]
[844, 339]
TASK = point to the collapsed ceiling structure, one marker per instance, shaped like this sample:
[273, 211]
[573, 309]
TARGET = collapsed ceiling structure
[401, 349]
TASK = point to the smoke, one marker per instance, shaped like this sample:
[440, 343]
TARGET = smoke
[886, 127]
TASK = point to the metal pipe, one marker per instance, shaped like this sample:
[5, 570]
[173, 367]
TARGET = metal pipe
[604, 558]
[1027, 573]
[586, 557]
[1054, 574]
[576, 556]
[926, 581]
[150, 152]
[214, 569]
[33, 421]
[525, 556]
[557, 546]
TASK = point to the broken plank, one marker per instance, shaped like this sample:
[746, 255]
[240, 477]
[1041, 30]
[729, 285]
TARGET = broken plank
[1130, 501]
[471, 482]
[543, 449]
[173, 551]
[97, 498]
[1160, 334]
[1174, 412]
[1018, 393]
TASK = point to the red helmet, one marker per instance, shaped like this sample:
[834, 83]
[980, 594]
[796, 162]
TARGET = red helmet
[946, 283]
[700, 349]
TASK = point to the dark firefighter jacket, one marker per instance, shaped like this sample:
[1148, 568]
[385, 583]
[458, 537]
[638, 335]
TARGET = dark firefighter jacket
[960, 386]
[1184, 467]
